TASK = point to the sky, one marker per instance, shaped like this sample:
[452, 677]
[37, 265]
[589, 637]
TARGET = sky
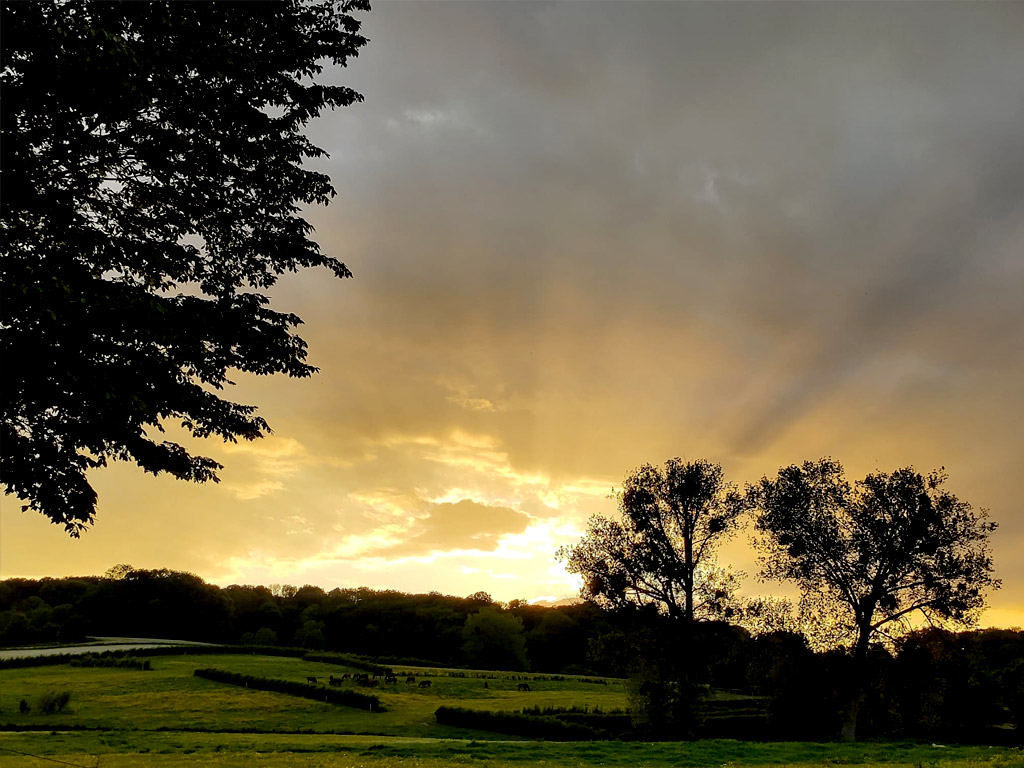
[591, 235]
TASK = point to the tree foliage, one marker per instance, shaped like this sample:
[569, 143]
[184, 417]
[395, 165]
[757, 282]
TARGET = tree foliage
[662, 549]
[882, 550]
[885, 548]
[494, 639]
[153, 175]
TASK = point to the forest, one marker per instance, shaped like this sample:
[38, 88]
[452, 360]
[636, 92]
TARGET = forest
[929, 683]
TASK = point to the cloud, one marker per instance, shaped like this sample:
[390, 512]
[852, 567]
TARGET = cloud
[463, 525]
[259, 468]
[472, 403]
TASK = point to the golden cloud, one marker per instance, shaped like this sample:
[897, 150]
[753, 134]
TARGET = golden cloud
[459, 526]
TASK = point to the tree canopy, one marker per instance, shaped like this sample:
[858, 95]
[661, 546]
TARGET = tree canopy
[494, 639]
[153, 177]
[890, 546]
[662, 549]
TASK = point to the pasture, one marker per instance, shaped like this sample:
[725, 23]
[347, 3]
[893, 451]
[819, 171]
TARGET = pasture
[169, 697]
[168, 717]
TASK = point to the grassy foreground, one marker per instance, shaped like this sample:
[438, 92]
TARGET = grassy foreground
[192, 750]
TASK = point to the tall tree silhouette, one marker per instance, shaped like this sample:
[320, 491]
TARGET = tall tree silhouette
[890, 546]
[662, 549]
[152, 181]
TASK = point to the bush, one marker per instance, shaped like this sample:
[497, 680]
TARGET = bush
[293, 688]
[516, 724]
[265, 636]
[51, 703]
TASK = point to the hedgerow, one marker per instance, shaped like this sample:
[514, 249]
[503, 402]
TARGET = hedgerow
[111, 660]
[293, 688]
[348, 660]
[516, 724]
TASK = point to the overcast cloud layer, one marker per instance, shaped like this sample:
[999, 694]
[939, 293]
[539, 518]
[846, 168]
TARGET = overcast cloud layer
[591, 235]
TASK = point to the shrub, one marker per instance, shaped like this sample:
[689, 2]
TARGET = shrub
[51, 703]
[265, 636]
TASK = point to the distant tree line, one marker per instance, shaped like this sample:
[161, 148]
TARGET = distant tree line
[928, 683]
[433, 628]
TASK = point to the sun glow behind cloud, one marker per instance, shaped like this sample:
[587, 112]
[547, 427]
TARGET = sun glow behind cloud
[499, 524]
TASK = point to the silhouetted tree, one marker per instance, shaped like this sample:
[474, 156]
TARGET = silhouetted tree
[666, 670]
[1013, 686]
[662, 550]
[153, 171]
[890, 546]
[494, 639]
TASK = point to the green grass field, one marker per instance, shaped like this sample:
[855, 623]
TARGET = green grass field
[169, 697]
[168, 717]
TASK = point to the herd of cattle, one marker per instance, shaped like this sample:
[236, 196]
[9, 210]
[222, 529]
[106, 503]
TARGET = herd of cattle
[364, 679]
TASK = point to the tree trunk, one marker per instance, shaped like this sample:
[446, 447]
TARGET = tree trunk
[688, 562]
[848, 731]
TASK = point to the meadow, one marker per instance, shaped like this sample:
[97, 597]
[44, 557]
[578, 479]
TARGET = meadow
[166, 716]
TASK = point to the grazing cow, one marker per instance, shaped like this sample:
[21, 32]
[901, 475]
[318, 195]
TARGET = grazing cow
[346, 676]
[311, 679]
[361, 676]
[424, 683]
[334, 680]
[410, 680]
[524, 686]
[391, 679]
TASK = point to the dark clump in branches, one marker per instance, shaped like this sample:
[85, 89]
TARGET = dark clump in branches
[152, 181]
